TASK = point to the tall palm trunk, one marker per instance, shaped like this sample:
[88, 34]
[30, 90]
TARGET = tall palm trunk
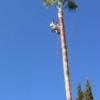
[64, 55]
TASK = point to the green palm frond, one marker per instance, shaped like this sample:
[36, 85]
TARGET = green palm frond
[72, 5]
[49, 2]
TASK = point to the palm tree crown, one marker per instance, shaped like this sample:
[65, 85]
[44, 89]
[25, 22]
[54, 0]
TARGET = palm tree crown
[70, 4]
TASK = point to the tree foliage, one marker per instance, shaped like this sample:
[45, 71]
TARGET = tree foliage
[49, 2]
[85, 95]
[88, 92]
[70, 4]
[80, 93]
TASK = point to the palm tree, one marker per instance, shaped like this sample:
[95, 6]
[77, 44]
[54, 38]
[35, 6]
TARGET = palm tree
[71, 5]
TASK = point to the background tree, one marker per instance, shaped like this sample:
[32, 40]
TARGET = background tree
[80, 93]
[61, 4]
[88, 92]
[84, 95]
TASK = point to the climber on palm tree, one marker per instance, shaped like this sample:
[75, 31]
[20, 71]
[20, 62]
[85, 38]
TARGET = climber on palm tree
[55, 27]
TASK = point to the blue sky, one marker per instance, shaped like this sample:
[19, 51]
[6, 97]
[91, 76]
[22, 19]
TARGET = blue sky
[30, 55]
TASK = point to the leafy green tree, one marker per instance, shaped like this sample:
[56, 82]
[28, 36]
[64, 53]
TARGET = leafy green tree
[59, 28]
[80, 93]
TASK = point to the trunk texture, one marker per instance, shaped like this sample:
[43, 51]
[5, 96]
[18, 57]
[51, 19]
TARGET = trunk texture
[64, 55]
